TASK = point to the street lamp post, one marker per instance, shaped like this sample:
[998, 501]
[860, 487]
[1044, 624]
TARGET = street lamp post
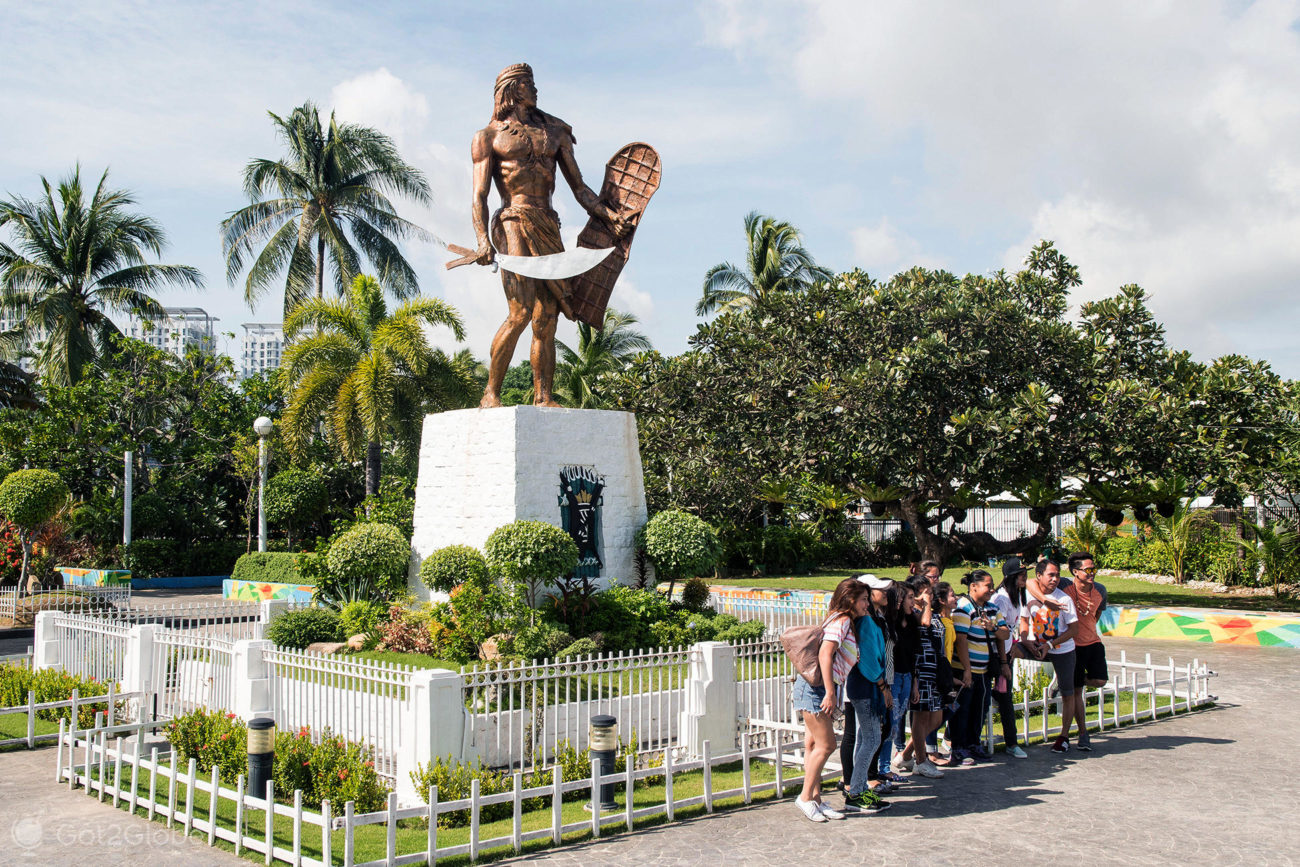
[262, 427]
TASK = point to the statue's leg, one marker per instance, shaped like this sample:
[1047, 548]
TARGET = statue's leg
[519, 300]
[545, 314]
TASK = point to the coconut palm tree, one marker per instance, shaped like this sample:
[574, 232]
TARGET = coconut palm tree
[368, 373]
[775, 261]
[598, 352]
[71, 263]
[333, 183]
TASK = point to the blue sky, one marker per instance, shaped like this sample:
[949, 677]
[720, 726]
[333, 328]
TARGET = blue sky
[1155, 142]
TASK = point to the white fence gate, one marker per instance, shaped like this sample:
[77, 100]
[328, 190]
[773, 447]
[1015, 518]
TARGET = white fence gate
[190, 672]
[90, 646]
[360, 701]
[521, 713]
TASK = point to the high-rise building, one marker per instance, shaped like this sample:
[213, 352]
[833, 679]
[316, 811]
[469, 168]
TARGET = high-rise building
[263, 345]
[180, 329]
[8, 323]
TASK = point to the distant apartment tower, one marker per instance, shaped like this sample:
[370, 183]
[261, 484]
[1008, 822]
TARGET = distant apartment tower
[8, 323]
[263, 345]
[181, 328]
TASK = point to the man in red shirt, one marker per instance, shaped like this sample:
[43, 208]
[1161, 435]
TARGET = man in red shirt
[1090, 654]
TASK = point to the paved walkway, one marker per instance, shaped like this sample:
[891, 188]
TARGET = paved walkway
[1217, 786]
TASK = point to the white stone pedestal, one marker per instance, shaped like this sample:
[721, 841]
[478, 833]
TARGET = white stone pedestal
[483, 468]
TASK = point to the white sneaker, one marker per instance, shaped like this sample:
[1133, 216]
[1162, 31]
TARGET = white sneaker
[809, 809]
[1018, 753]
[926, 769]
[901, 764]
[826, 811]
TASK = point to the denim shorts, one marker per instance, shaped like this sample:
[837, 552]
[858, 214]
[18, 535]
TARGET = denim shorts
[808, 698]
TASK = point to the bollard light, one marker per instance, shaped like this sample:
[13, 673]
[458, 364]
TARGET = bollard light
[602, 739]
[262, 427]
[261, 754]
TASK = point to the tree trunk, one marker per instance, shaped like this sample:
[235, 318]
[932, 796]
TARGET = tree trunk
[941, 547]
[373, 456]
[22, 575]
[320, 267]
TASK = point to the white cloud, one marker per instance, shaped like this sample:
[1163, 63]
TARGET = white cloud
[1155, 143]
[882, 250]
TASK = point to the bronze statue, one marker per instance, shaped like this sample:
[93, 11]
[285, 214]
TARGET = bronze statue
[518, 152]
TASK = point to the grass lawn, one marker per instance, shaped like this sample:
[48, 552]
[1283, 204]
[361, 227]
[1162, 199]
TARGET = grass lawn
[14, 725]
[416, 660]
[1123, 591]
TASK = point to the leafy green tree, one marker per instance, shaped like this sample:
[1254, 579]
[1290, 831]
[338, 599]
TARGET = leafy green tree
[775, 261]
[943, 391]
[28, 499]
[295, 498]
[681, 545]
[599, 352]
[73, 262]
[332, 188]
[1275, 551]
[370, 374]
[531, 554]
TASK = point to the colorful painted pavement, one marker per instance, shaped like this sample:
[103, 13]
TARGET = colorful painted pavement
[1175, 624]
[261, 590]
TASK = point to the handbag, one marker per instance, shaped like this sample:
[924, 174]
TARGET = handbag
[802, 646]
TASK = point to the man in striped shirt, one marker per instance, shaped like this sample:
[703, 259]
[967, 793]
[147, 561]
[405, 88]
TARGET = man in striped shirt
[980, 630]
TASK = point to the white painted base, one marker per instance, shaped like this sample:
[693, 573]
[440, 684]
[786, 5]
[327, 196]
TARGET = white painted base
[483, 468]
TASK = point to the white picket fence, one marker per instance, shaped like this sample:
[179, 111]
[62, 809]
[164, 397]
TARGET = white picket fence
[1148, 688]
[227, 620]
[776, 614]
[764, 683]
[520, 713]
[102, 763]
[91, 646]
[73, 705]
[362, 701]
[15, 606]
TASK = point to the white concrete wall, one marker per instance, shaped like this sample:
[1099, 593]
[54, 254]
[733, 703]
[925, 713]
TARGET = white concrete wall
[483, 468]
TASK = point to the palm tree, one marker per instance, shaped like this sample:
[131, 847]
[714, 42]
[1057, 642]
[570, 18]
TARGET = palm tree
[371, 375]
[70, 265]
[775, 261]
[332, 183]
[599, 352]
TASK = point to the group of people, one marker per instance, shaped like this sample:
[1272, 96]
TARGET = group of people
[889, 648]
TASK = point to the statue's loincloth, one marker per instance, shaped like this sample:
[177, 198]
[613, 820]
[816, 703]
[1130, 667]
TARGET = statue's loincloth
[538, 230]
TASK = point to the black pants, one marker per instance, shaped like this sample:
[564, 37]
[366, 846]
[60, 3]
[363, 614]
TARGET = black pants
[850, 740]
[1007, 711]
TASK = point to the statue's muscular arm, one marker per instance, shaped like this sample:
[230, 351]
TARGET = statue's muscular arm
[586, 197]
[481, 151]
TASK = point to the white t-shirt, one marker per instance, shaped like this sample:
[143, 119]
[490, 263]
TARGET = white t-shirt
[1009, 611]
[1045, 624]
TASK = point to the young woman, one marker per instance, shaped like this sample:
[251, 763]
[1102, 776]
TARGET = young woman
[944, 602]
[927, 699]
[1009, 599]
[817, 704]
[907, 639]
[870, 698]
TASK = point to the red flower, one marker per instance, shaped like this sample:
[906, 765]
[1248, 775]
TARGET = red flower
[370, 764]
[226, 735]
[343, 774]
[306, 764]
[230, 716]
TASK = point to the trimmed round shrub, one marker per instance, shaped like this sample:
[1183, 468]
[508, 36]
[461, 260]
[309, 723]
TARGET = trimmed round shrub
[294, 498]
[681, 545]
[453, 565]
[531, 553]
[695, 594]
[303, 626]
[29, 498]
[373, 553]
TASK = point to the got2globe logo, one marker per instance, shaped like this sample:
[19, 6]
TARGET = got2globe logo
[581, 491]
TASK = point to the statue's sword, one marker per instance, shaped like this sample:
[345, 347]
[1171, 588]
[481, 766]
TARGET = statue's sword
[553, 266]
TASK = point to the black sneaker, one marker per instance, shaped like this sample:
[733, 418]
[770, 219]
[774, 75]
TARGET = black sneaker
[867, 802]
[1084, 745]
[1061, 746]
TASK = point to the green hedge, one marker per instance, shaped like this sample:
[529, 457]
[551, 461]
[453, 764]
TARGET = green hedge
[52, 685]
[167, 558]
[269, 566]
[303, 626]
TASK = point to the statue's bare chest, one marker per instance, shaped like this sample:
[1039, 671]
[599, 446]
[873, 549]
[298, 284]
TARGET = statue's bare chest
[523, 143]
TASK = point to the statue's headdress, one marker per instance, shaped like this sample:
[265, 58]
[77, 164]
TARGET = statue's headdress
[512, 73]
